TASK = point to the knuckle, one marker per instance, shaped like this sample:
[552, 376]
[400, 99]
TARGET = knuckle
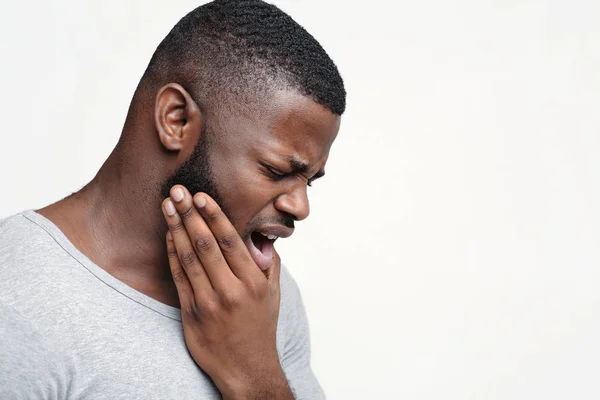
[212, 214]
[179, 275]
[191, 311]
[218, 259]
[187, 259]
[232, 298]
[172, 252]
[202, 243]
[176, 226]
[228, 242]
[196, 270]
[187, 214]
[258, 289]
[211, 307]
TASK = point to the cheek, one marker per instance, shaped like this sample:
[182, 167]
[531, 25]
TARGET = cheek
[246, 193]
[251, 191]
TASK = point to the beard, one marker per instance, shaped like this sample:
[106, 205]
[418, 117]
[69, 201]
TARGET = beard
[196, 174]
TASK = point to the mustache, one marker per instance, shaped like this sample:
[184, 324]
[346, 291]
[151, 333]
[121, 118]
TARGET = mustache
[286, 220]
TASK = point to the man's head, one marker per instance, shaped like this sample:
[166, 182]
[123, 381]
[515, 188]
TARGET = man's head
[245, 105]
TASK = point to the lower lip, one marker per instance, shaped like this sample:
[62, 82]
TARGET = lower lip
[264, 259]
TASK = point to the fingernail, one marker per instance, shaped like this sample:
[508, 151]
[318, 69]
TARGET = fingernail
[177, 194]
[199, 201]
[170, 208]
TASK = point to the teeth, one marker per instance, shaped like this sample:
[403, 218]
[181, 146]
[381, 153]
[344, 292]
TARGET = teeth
[270, 237]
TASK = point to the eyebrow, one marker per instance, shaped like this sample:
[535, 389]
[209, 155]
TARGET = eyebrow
[299, 166]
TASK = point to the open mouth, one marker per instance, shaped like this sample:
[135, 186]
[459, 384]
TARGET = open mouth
[261, 249]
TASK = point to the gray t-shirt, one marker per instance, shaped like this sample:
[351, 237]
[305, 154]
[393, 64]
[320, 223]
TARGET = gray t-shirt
[70, 330]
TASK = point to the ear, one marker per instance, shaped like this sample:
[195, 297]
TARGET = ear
[177, 117]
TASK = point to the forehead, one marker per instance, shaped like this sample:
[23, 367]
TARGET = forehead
[294, 125]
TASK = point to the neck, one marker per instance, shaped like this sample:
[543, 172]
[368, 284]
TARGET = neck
[118, 224]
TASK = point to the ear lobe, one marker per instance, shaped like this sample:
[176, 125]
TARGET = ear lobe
[176, 116]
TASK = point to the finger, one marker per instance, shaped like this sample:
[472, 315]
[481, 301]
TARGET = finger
[274, 272]
[182, 283]
[231, 244]
[203, 241]
[186, 254]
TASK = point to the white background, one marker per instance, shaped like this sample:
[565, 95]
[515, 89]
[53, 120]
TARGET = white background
[452, 251]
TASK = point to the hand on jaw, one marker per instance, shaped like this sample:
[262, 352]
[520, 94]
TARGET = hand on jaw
[229, 306]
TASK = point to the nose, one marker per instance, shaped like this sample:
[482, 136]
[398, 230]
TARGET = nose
[294, 202]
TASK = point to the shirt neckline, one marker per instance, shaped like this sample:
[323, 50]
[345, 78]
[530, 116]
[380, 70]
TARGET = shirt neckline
[106, 278]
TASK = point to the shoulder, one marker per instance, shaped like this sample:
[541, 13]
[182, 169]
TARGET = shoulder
[15, 227]
[28, 238]
[22, 236]
[33, 264]
[21, 240]
[293, 322]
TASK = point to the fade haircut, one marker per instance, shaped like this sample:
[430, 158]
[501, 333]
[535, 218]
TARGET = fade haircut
[230, 53]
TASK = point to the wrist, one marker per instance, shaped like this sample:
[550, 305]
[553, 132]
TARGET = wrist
[264, 383]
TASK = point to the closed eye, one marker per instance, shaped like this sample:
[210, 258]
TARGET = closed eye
[279, 175]
[275, 173]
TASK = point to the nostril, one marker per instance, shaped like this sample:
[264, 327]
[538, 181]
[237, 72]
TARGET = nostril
[288, 219]
[293, 205]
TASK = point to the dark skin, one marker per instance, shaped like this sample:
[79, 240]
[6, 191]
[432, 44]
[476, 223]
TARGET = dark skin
[262, 163]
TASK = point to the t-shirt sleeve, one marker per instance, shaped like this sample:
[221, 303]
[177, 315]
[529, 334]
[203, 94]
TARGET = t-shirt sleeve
[295, 358]
[28, 368]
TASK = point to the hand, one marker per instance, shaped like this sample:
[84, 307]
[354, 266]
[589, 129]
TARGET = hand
[229, 307]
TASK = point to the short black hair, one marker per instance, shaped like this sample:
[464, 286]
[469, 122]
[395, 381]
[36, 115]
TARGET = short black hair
[229, 50]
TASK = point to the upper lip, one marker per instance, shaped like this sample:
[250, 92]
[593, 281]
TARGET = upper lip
[276, 230]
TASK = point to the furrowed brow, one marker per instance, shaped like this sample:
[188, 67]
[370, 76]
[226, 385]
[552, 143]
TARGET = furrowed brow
[299, 166]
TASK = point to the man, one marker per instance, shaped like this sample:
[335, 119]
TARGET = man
[159, 278]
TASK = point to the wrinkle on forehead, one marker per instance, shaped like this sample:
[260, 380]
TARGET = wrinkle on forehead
[289, 124]
[304, 125]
